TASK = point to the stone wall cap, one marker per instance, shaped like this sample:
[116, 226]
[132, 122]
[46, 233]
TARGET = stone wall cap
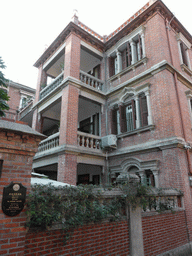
[20, 128]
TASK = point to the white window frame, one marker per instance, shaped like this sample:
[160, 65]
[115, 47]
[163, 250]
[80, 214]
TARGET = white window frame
[131, 39]
[182, 39]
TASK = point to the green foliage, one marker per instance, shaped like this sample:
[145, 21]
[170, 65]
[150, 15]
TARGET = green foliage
[137, 194]
[3, 94]
[72, 206]
[75, 206]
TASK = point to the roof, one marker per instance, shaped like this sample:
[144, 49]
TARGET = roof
[45, 181]
[41, 179]
[108, 41]
[20, 128]
[20, 86]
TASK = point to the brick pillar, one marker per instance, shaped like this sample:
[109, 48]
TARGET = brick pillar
[72, 56]
[67, 168]
[37, 122]
[175, 175]
[42, 79]
[17, 149]
[68, 134]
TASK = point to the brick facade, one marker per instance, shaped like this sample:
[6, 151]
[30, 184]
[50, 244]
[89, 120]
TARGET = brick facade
[17, 149]
[134, 84]
[16, 92]
[98, 239]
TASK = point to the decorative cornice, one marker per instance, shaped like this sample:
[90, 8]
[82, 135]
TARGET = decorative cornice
[106, 42]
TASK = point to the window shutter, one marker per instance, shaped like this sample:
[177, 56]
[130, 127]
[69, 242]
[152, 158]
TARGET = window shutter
[111, 66]
[124, 62]
[143, 110]
[113, 115]
[183, 52]
[134, 113]
[129, 57]
[123, 123]
[140, 47]
[152, 180]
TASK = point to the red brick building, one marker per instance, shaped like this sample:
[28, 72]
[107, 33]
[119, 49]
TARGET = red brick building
[20, 97]
[119, 103]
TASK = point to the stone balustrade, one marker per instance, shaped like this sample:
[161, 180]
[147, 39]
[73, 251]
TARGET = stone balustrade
[89, 141]
[50, 87]
[166, 199]
[91, 80]
[49, 143]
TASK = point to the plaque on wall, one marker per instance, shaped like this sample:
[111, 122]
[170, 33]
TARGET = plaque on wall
[13, 199]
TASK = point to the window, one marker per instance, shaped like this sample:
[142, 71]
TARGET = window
[95, 72]
[130, 52]
[184, 46]
[184, 53]
[150, 181]
[24, 101]
[126, 56]
[127, 117]
[90, 125]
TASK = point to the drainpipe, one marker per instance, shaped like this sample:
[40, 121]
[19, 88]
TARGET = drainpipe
[167, 25]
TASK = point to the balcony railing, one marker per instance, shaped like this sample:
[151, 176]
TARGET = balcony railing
[49, 143]
[56, 82]
[88, 141]
[91, 80]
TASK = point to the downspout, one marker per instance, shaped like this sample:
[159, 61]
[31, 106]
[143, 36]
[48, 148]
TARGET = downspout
[167, 24]
[106, 89]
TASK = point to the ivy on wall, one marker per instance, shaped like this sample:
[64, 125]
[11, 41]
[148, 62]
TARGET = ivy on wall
[73, 206]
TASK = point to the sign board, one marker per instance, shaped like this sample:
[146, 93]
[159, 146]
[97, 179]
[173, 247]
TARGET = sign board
[13, 199]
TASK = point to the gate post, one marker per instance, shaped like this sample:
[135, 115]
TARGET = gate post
[18, 145]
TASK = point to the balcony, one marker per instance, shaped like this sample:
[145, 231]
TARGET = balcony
[50, 87]
[50, 143]
[88, 141]
[91, 80]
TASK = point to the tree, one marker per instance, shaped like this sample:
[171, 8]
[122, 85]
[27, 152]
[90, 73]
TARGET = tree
[3, 93]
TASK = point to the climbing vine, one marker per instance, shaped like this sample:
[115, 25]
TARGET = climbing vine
[73, 206]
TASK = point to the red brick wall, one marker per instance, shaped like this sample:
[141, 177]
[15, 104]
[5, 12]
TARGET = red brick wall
[15, 96]
[67, 168]
[16, 151]
[69, 115]
[164, 232]
[72, 56]
[110, 238]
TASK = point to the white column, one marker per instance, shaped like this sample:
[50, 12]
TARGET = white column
[119, 61]
[143, 176]
[189, 104]
[180, 54]
[137, 112]
[143, 44]
[148, 108]
[133, 51]
[156, 177]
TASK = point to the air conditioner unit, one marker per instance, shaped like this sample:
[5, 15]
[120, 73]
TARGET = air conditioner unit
[109, 141]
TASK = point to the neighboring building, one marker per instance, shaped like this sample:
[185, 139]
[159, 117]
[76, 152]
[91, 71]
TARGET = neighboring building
[117, 104]
[20, 96]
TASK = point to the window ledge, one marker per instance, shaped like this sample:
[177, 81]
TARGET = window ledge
[129, 68]
[186, 69]
[136, 131]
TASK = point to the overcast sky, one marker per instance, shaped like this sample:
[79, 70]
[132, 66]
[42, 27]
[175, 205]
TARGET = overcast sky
[28, 26]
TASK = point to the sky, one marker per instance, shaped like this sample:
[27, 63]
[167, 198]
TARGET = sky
[30, 26]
